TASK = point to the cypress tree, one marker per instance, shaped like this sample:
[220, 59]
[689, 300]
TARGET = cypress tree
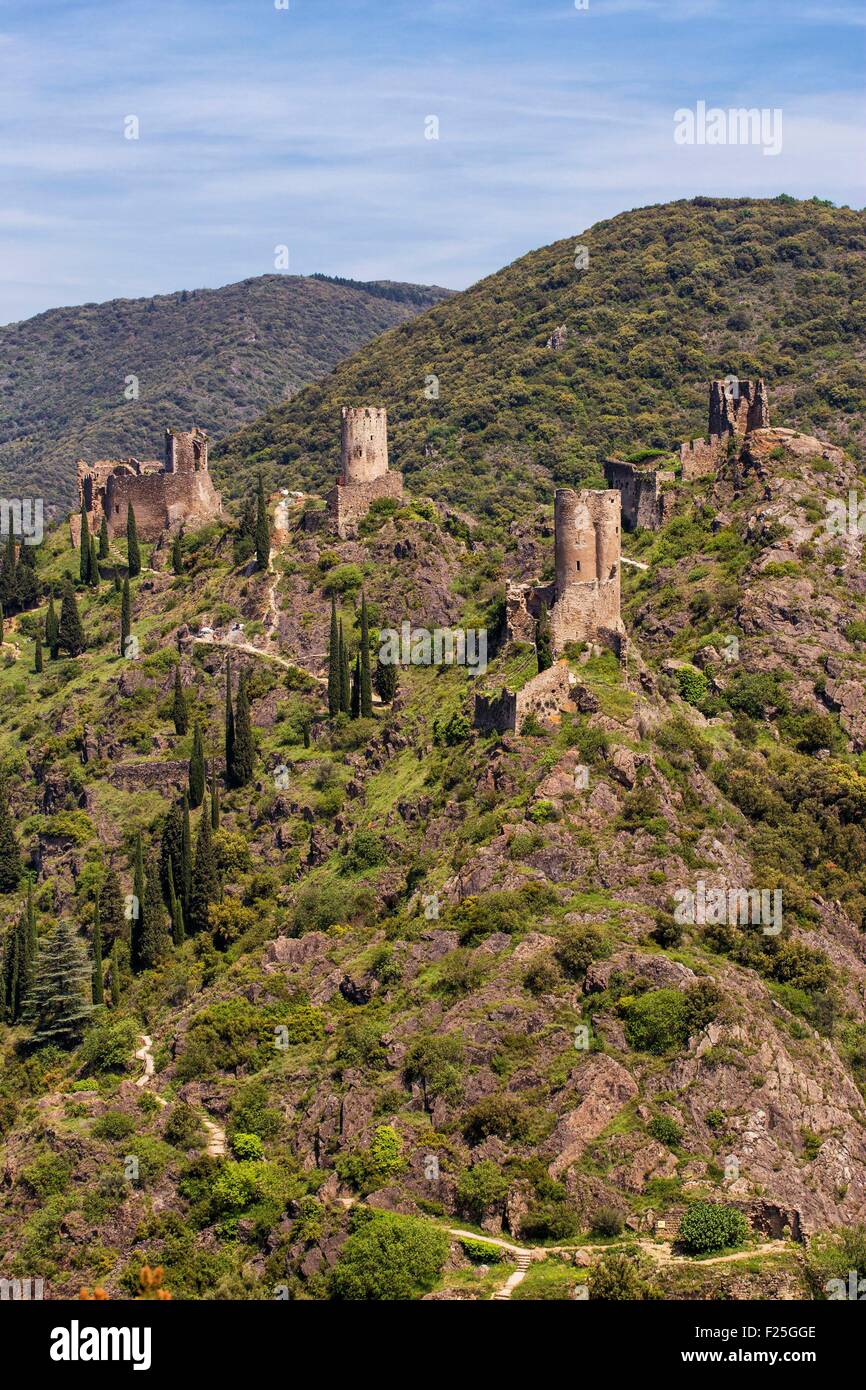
[205, 882]
[70, 634]
[19, 960]
[97, 960]
[51, 629]
[61, 1004]
[263, 530]
[245, 539]
[125, 617]
[110, 907]
[230, 722]
[84, 549]
[214, 798]
[37, 652]
[116, 974]
[93, 574]
[8, 575]
[177, 555]
[386, 681]
[133, 553]
[543, 639]
[27, 587]
[184, 883]
[103, 539]
[117, 584]
[179, 710]
[196, 769]
[2, 625]
[139, 888]
[244, 749]
[345, 684]
[10, 856]
[11, 999]
[355, 700]
[334, 664]
[175, 911]
[153, 936]
[365, 681]
[171, 851]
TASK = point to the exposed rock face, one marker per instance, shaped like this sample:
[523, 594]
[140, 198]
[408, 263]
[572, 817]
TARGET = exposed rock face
[604, 1088]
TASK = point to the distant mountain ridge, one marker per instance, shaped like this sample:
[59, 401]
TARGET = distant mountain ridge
[213, 357]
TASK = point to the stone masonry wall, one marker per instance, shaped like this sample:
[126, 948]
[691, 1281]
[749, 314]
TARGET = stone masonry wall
[160, 500]
[349, 503]
[545, 696]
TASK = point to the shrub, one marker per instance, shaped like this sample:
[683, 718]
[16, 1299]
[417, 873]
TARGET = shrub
[665, 1130]
[366, 850]
[481, 1187]
[114, 1125]
[662, 1020]
[607, 1222]
[480, 1253]
[615, 1278]
[247, 1147]
[578, 947]
[542, 974]
[108, 1047]
[831, 1256]
[389, 1257]
[47, 1175]
[503, 1115]
[183, 1128]
[693, 684]
[712, 1226]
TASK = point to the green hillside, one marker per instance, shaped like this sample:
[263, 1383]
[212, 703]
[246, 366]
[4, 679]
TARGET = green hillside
[672, 296]
[212, 357]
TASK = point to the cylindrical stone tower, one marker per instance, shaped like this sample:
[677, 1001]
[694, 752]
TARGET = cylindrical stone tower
[607, 508]
[363, 444]
[574, 540]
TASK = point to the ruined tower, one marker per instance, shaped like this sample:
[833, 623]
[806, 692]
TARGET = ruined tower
[185, 451]
[364, 473]
[736, 408]
[363, 444]
[584, 600]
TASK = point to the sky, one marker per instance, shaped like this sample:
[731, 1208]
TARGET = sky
[306, 125]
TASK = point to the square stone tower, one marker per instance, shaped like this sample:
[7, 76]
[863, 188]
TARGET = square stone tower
[736, 408]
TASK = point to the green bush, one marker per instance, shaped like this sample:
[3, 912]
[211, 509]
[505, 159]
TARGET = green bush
[389, 1257]
[480, 1253]
[616, 1278]
[665, 1130]
[47, 1175]
[183, 1128]
[662, 1020]
[481, 1187]
[114, 1124]
[607, 1222]
[109, 1046]
[577, 947]
[247, 1147]
[710, 1226]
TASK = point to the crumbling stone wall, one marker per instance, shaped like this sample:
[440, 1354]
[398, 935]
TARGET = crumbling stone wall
[735, 409]
[646, 498]
[545, 696]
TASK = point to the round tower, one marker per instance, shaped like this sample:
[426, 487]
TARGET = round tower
[574, 540]
[607, 514]
[363, 444]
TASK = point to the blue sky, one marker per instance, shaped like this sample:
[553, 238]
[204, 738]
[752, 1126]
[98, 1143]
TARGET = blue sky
[305, 127]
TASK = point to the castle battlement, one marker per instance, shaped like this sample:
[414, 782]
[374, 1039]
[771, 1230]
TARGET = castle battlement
[735, 409]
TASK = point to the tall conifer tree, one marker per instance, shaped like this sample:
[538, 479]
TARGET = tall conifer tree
[205, 880]
[61, 998]
[70, 634]
[263, 530]
[133, 550]
[334, 664]
[197, 769]
[125, 617]
[365, 678]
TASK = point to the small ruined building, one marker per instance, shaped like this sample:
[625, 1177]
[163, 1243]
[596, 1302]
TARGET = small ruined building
[364, 472]
[647, 493]
[583, 605]
[736, 408]
[178, 491]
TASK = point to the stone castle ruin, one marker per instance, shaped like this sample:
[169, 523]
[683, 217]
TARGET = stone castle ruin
[648, 492]
[364, 472]
[178, 491]
[583, 605]
[583, 602]
[736, 408]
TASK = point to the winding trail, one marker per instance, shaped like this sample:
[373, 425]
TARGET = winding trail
[523, 1258]
[216, 1135]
